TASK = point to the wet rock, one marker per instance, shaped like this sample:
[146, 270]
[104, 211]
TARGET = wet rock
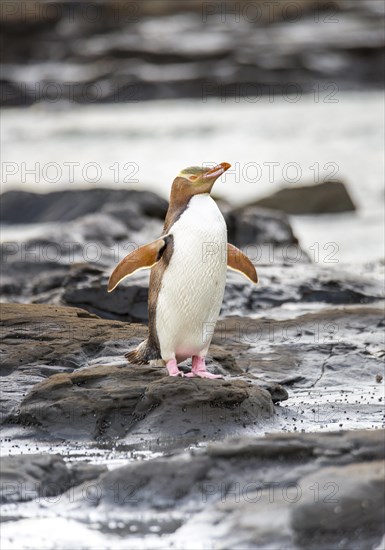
[346, 446]
[84, 471]
[74, 383]
[351, 515]
[68, 263]
[27, 477]
[295, 286]
[61, 335]
[314, 505]
[21, 207]
[67, 376]
[319, 348]
[253, 225]
[111, 402]
[278, 393]
[161, 484]
[34, 476]
[296, 283]
[329, 197]
[87, 289]
[248, 492]
[39, 341]
[69, 279]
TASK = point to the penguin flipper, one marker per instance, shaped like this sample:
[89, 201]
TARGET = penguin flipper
[238, 261]
[144, 257]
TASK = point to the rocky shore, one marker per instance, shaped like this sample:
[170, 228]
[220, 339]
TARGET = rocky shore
[118, 51]
[282, 491]
[286, 451]
[62, 246]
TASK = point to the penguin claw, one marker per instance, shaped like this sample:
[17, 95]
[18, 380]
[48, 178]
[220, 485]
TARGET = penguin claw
[207, 374]
[199, 369]
[202, 374]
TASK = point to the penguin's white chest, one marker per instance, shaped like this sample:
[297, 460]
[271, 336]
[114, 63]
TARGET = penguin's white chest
[192, 288]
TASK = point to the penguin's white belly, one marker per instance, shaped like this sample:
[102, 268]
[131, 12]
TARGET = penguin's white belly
[191, 293]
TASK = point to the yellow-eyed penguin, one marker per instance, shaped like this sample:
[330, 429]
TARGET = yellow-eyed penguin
[188, 274]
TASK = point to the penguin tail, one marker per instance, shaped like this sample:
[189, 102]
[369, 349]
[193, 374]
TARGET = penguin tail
[143, 354]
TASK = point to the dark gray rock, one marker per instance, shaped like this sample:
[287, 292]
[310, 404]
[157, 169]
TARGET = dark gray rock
[87, 288]
[162, 483]
[298, 284]
[69, 279]
[61, 206]
[321, 347]
[352, 513]
[30, 477]
[112, 402]
[329, 197]
[335, 447]
[60, 335]
[82, 387]
[26, 478]
[254, 225]
[288, 491]
[310, 498]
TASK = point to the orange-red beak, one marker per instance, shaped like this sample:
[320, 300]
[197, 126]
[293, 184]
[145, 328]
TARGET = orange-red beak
[217, 171]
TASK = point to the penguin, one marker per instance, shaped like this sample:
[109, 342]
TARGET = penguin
[188, 274]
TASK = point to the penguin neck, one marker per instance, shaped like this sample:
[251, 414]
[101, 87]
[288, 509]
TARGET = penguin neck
[178, 203]
[184, 202]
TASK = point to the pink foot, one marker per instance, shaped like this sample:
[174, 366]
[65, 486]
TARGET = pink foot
[172, 368]
[199, 369]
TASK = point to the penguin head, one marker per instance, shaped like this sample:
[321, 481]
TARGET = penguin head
[196, 180]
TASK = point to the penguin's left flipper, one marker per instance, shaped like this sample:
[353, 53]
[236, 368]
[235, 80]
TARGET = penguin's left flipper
[238, 261]
[143, 257]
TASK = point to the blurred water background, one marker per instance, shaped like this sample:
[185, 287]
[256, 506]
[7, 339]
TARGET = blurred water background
[125, 94]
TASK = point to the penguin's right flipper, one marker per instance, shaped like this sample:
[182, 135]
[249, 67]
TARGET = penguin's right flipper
[143, 257]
